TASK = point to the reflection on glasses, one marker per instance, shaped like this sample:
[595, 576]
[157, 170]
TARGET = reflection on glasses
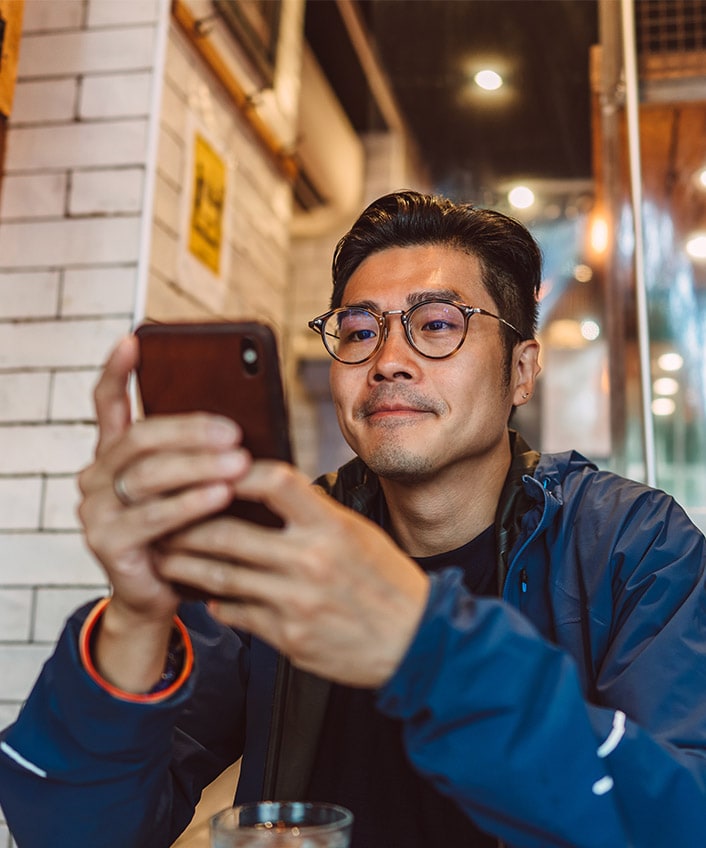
[434, 328]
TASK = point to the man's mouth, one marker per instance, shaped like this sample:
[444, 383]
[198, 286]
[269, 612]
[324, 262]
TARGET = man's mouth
[389, 409]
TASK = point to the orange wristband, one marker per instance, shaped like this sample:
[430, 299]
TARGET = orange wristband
[161, 694]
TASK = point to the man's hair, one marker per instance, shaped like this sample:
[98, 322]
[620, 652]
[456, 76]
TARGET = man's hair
[510, 259]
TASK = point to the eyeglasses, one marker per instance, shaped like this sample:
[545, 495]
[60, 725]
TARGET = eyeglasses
[434, 328]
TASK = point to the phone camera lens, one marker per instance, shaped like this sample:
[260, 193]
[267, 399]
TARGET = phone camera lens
[250, 357]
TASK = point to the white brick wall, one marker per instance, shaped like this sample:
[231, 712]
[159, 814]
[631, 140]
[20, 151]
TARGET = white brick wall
[24, 396]
[20, 505]
[27, 294]
[117, 12]
[59, 344]
[72, 395]
[47, 559]
[76, 145]
[33, 196]
[41, 101]
[46, 449]
[60, 502]
[52, 15]
[15, 615]
[69, 242]
[71, 238]
[106, 191]
[87, 51]
[123, 95]
[96, 291]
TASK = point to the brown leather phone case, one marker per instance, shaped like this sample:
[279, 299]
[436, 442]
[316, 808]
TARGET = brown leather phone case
[230, 369]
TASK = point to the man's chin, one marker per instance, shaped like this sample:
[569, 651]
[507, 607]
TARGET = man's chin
[401, 466]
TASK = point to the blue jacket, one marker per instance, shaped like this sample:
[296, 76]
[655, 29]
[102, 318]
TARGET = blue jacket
[571, 712]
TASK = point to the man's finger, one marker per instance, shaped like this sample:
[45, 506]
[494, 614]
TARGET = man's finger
[111, 393]
[285, 490]
[133, 527]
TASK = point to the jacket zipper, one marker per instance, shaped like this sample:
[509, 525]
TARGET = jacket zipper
[548, 510]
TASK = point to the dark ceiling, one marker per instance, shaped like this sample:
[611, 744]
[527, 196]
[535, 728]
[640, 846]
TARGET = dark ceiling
[537, 127]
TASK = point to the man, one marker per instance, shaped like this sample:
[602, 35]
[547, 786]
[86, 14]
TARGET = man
[484, 644]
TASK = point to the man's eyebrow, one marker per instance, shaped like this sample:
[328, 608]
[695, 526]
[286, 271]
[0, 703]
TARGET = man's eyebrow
[412, 299]
[433, 294]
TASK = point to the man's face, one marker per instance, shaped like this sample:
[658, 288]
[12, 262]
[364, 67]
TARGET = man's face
[411, 418]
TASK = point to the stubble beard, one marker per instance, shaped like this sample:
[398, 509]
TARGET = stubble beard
[385, 448]
[391, 459]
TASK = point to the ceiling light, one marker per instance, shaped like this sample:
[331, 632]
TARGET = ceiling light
[670, 361]
[488, 80]
[663, 406]
[666, 386]
[521, 197]
[590, 330]
[696, 246]
[583, 273]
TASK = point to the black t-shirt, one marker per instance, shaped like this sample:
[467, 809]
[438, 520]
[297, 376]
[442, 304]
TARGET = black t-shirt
[361, 761]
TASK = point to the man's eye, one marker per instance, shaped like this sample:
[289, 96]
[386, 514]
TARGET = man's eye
[437, 325]
[361, 335]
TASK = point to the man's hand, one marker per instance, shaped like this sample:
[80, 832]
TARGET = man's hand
[172, 471]
[330, 589]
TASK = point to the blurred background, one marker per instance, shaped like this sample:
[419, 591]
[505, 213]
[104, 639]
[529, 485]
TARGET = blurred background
[199, 160]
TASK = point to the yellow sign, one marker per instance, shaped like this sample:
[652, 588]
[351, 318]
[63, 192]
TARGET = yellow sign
[11, 21]
[207, 206]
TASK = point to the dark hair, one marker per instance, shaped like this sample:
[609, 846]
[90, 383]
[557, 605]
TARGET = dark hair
[510, 259]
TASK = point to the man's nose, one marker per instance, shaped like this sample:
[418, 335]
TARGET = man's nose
[394, 330]
[396, 357]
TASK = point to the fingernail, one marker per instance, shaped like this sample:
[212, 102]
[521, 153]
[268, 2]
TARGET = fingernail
[223, 430]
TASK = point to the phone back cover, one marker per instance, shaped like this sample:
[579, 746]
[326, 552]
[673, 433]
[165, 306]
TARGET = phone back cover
[229, 369]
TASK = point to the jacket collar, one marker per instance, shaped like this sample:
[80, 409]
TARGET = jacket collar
[355, 485]
[515, 501]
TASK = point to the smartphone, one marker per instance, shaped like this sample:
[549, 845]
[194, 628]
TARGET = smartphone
[227, 368]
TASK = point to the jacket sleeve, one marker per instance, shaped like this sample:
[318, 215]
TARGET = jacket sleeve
[497, 717]
[81, 767]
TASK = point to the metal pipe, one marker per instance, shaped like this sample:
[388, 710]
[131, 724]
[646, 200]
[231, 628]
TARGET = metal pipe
[635, 164]
[283, 158]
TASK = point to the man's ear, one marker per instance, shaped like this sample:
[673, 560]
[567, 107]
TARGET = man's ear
[526, 368]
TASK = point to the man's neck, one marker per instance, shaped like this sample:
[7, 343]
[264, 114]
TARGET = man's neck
[442, 514]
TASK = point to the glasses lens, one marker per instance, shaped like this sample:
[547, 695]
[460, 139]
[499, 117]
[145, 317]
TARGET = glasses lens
[436, 328]
[351, 335]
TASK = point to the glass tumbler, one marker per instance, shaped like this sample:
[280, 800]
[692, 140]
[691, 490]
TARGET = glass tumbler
[282, 824]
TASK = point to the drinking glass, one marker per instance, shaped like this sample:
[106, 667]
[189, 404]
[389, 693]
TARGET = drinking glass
[282, 824]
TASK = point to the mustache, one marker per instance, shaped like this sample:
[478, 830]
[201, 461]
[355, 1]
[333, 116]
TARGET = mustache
[385, 397]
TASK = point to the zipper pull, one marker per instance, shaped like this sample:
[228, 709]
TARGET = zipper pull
[523, 581]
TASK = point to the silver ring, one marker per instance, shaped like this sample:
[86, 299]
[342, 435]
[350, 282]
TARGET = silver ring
[121, 492]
